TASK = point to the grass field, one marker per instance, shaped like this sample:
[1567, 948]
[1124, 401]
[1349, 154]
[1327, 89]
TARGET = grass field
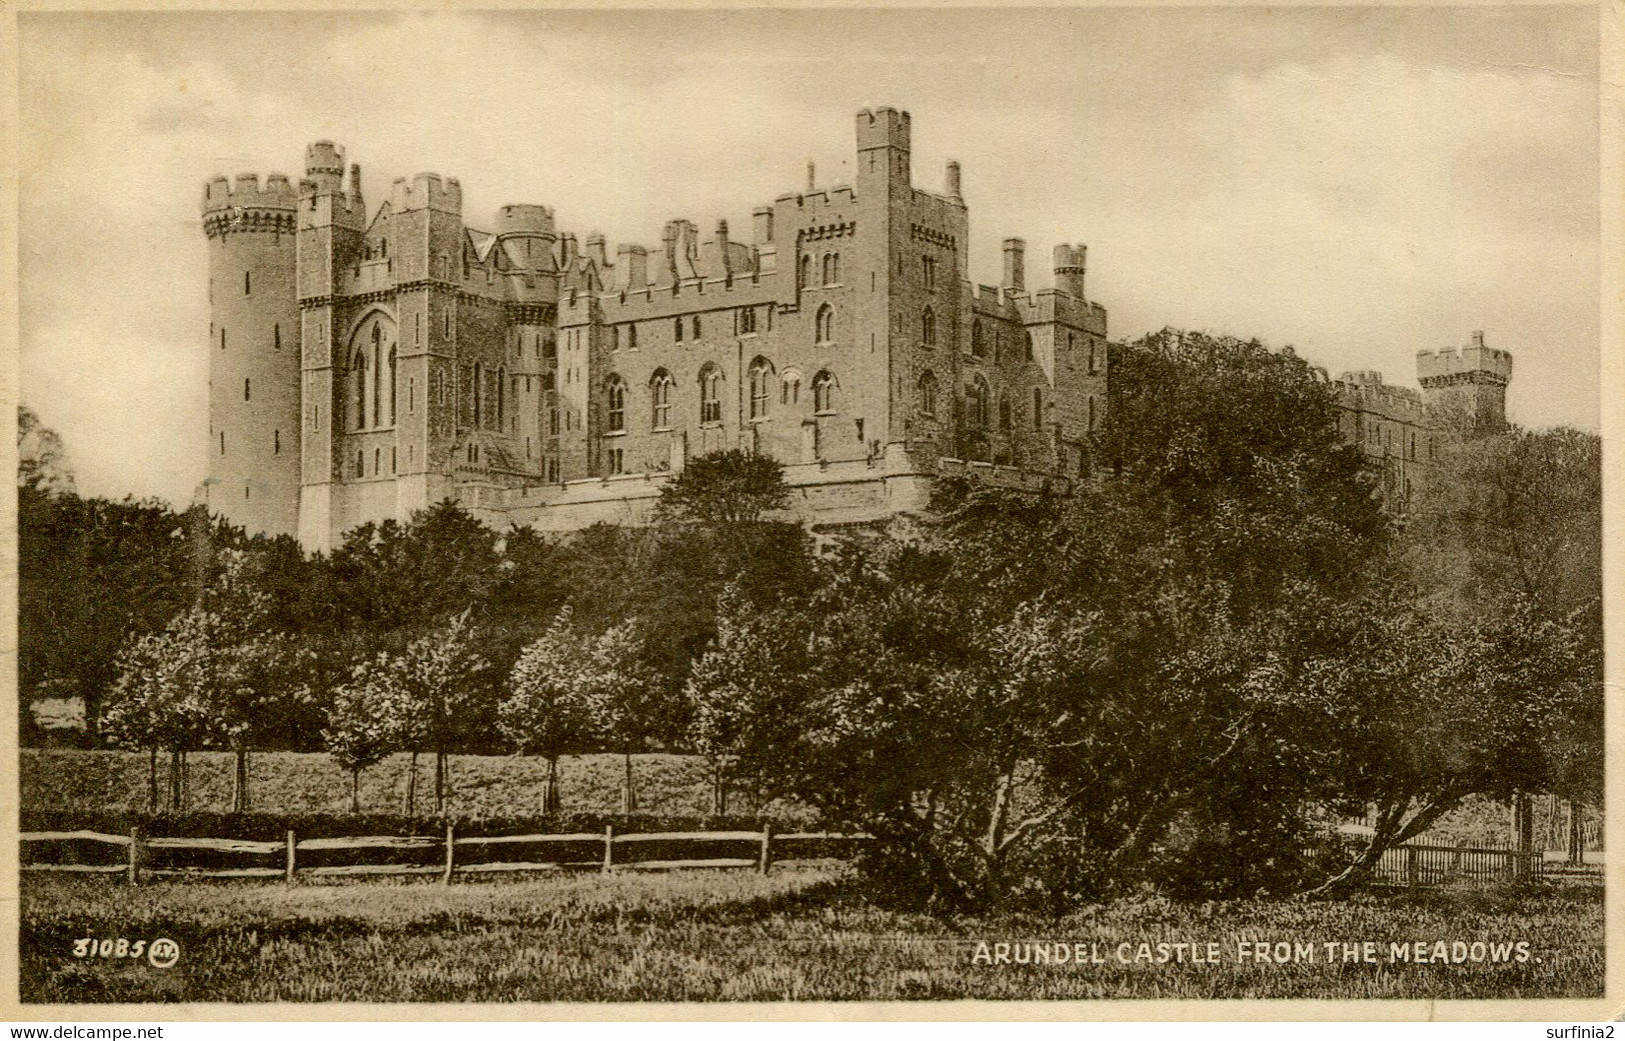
[796, 935]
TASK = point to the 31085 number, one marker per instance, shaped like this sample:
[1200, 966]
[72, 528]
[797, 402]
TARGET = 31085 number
[122, 947]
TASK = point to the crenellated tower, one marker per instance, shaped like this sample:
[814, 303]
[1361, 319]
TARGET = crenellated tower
[254, 347]
[1466, 387]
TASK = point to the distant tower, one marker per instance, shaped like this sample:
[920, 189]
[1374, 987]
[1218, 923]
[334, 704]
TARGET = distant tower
[253, 353]
[1466, 387]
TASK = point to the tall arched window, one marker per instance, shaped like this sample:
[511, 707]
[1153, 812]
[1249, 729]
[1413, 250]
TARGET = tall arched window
[710, 394]
[677, 329]
[977, 347]
[1038, 408]
[1029, 345]
[761, 376]
[928, 393]
[928, 327]
[832, 268]
[479, 393]
[377, 374]
[790, 388]
[391, 384]
[806, 271]
[660, 399]
[824, 327]
[616, 410]
[631, 337]
[358, 386]
[823, 390]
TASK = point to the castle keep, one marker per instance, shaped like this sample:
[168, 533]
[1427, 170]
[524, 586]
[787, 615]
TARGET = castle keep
[366, 366]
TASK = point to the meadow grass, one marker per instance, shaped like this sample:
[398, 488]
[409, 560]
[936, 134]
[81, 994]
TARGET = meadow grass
[798, 934]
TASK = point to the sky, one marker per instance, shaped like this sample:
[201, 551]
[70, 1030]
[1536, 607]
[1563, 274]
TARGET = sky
[1358, 183]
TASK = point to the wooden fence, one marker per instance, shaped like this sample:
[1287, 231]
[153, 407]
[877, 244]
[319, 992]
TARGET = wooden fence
[1416, 866]
[451, 855]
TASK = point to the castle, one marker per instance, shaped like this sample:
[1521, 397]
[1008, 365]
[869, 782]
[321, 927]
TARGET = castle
[366, 366]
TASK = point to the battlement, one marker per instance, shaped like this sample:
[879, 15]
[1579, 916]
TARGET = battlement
[428, 191]
[883, 127]
[220, 193]
[1486, 364]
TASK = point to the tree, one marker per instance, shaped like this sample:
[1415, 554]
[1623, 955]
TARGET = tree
[617, 686]
[545, 712]
[363, 720]
[41, 457]
[165, 698]
[729, 486]
[440, 678]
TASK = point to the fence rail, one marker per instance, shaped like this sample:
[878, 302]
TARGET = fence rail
[449, 856]
[609, 852]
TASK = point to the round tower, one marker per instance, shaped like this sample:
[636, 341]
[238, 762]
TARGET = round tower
[254, 367]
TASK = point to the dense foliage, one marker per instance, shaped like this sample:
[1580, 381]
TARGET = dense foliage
[1173, 678]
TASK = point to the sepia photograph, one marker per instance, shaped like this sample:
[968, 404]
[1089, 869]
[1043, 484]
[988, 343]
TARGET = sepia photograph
[762, 507]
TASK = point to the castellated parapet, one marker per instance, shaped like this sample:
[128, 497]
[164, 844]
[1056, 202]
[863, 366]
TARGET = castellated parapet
[246, 206]
[1474, 359]
[427, 191]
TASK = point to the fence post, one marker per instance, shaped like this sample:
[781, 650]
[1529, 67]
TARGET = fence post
[609, 846]
[288, 868]
[1413, 874]
[135, 856]
[767, 847]
[451, 850]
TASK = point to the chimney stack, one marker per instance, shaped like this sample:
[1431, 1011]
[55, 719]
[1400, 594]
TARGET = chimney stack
[763, 220]
[1015, 264]
[597, 252]
[812, 178]
[953, 181]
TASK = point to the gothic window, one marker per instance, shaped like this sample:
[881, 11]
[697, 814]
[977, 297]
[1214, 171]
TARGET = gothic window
[617, 461]
[391, 384]
[747, 320]
[790, 388]
[1027, 340]
[806, 272]
[824, 326]
[761, 375]
[928, 272]
[660, 399]
[696, 327]
[976, 402]
[616, 394]
[823, 389]
[832, 268]
[358, 386]
[632, 337]
[377, 374]
[928, 327]
[1038, 409]
[928, 393]
[977, 347]
[677, 329]
[710, 395]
